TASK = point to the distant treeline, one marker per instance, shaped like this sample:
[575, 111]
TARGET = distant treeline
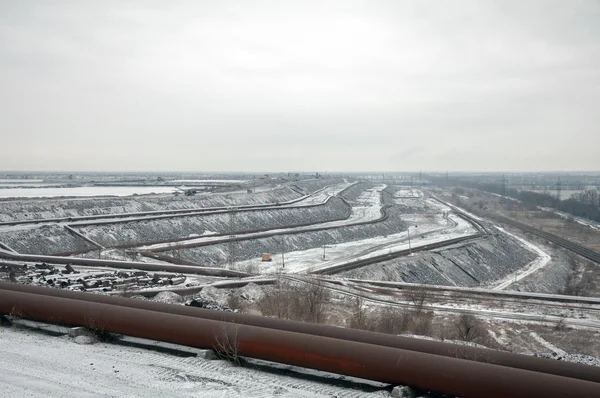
[585, 204]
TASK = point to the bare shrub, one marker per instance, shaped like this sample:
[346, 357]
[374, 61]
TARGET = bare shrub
[422, 323]
[469, 328]
[234, 301]
[392, 320]
[227, 343]
[308, 302]
[304, 302]
[560, 325]
[278, 302]
[417, 296]
[360, 317]
[98, 331]
[250, 268]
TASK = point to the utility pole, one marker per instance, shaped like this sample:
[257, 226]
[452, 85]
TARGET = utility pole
[231, 242]
[324, 246]
[409, 248]
[282, 252]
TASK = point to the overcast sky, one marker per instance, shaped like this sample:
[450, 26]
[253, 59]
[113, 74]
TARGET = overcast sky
[300, 85]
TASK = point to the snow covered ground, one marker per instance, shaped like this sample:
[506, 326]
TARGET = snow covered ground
[82, 191]
[211, 181]
[368, 205]
[321, 196]
[37, 365]
[28, 185]
[369, 209]
[422, 232]
[540, 262]
[404, 192]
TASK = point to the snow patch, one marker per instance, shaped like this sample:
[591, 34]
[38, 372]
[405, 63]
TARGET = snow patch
[547, 344]
[168, 298]
[535, 265]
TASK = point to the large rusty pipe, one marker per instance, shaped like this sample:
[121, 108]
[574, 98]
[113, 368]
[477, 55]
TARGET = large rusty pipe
[550, 366]
[389, 365]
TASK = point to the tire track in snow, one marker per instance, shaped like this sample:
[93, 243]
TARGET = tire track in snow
[37, 365]
[219, 375]
[547, 344]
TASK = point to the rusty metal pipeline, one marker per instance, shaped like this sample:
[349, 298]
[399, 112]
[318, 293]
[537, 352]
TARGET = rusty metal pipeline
[389, 365]
[543, 365]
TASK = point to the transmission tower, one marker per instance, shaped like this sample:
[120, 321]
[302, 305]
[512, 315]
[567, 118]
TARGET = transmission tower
[503, 185]
[558, 189]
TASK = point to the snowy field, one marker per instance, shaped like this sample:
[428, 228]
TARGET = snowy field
[210, 181]
[404, 192]
[37, 365]
[27, 185]
[540, 262]
[369, 209]
[322, 195]
[19, 181]
[81, 191]
[423, 230]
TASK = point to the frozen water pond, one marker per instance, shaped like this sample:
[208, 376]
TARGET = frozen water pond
[81, 191]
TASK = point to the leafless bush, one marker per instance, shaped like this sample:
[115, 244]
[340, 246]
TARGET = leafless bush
[469, 328]
[98, 331]
[560, 325]
[250, 268]
[278, 302]
[422, 322]
[15, 315]
[227, 343]
[234, 301]
[304, 302]
[310, 302]
[418, 296]
[359, 318]
[392, 320]
[577, 281]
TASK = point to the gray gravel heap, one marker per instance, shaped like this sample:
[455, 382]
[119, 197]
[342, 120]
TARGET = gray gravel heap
[182, 227]
[48, 239]
[469, 264]
[34, 209]
[352, 193]
[244, 250]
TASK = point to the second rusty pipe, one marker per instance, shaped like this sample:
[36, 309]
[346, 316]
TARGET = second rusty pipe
[389, 365]
[550, 366]
[573, 370]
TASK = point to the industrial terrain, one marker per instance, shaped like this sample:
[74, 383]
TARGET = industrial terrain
[420, 259]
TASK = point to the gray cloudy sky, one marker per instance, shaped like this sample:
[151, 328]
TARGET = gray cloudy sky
[300, 85]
